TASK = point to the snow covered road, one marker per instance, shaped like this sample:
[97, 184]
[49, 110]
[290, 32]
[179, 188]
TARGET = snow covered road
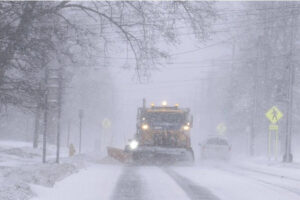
[221, 182]
[230, 182]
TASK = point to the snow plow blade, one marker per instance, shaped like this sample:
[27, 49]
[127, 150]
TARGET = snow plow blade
[118, 154]
[163, 156]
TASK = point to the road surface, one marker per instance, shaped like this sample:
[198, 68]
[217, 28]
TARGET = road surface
[204, 182]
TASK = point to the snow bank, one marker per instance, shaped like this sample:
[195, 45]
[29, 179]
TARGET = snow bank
[93, 183]
[291, 170]
[15, 181]
[20, 166]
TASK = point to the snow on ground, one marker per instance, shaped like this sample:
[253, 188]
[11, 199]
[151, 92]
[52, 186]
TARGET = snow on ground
[20, 165]
[93, 183]
[160, 186]
[291, 170]
[99, 181]
[230, 184]
[24, 177]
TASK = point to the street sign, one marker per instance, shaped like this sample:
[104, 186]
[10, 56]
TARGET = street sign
[274, 115]
[273, 127]
[221, 128]
[106, 123]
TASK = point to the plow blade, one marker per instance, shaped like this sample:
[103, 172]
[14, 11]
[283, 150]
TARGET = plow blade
[163, 156]
[119, 154]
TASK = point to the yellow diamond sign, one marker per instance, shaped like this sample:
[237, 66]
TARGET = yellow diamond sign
[221, 128]
[106, 123]
[274, 115]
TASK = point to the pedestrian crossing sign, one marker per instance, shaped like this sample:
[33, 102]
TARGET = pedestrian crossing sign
[274, 115]
[221, 128]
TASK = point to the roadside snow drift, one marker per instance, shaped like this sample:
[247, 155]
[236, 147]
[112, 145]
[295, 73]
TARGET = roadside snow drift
[94, 183]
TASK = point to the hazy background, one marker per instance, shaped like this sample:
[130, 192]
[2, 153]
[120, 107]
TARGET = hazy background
[209, 78]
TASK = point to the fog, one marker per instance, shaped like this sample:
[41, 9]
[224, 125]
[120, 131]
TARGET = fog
[74, 75]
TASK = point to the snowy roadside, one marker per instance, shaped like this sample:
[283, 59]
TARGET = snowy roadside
[95, 182]
[232, 185]
[256, 178]
[259, 165]
[20, 167]
[263, 165]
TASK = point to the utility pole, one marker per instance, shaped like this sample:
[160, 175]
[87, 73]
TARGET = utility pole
[36, 126]
[254, 111]
[54, 105]
[68, 132]
[59, 104]
[37, 122]
[80, 128]
[45, 115]
[288, 156]
[253, 124]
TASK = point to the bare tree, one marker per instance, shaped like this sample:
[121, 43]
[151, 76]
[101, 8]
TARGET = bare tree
[263, 60]
[33, 34]
[27, 29]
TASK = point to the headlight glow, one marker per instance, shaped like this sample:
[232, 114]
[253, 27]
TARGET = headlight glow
[145, 127]
[186, 128]
[133, 144]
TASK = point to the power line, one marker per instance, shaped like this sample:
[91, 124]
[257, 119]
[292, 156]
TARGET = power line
[174, 83]
[199, 66]
[219, 12]
[208, 46]
[238, 26]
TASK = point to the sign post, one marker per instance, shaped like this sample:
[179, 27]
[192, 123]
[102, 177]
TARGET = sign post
[80, 128]
[105, 138]
[274, 115]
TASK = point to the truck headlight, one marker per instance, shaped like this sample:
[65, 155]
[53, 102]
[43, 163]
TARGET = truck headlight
[145, 127]
[133, 144]
[186, 127]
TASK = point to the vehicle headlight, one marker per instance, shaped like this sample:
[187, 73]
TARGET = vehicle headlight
[186, 127]
[145, 127]
[133, 144]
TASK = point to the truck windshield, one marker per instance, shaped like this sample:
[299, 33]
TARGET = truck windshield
[167, 120]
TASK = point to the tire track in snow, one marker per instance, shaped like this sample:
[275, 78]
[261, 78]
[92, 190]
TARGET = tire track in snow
[267, 173]
[192, 190]
[129, 186]
[243, 173]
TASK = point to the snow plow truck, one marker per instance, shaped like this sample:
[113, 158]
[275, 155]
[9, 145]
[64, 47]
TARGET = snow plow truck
[162, 136]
